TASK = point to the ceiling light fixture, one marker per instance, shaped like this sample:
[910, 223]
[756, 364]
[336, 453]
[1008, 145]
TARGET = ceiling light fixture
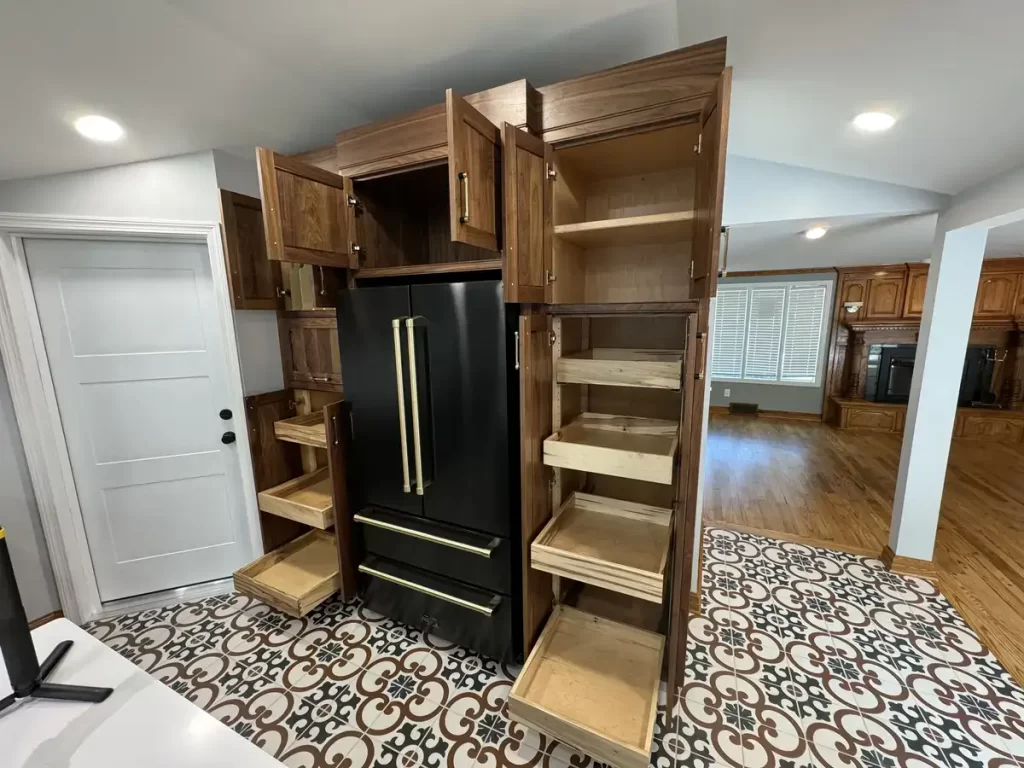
[874, 122]
[815, 233]
[99, 128]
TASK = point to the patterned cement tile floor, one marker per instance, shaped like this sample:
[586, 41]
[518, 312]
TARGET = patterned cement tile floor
[803, 657]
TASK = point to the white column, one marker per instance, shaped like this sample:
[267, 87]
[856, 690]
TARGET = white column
[942, 344]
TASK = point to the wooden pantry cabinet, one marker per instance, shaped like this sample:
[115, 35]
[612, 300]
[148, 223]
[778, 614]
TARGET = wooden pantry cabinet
[598, 202]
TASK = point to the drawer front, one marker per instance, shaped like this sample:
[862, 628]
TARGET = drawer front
[473, 618]
[443, 550]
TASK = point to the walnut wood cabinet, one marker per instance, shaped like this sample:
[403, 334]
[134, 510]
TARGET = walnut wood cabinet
[254, 280]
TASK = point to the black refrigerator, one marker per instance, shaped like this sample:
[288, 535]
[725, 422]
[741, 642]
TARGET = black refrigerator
[431, 375]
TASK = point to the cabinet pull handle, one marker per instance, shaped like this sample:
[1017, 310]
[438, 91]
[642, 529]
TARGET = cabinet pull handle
[324, 379]
[700, 357]
[395, 324]
[482, 551]
[323, 290]
[517, 350]
[414, 391]
[334, 423]
[486, 610]
[282, 292]
[464, 178]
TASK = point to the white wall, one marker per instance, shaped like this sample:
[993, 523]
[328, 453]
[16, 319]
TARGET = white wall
[20, 517]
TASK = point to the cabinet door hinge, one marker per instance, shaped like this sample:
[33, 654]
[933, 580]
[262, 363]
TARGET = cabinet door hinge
[552, 172]
[691, 270]
[697, 146]
[355, 249]
[352, 202]
[549, 277]
[551, 338]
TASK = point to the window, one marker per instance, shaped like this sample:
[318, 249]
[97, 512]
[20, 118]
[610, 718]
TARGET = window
[773, 333]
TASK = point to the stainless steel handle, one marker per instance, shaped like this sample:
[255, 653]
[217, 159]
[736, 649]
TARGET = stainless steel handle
[334, 423]
[700, 356]
[414, 391]
[482, 551]
[324, 379]
[517, 350]
[323, 289]
[400, 383]
[724, 269]
[464, 178]
[486, 610]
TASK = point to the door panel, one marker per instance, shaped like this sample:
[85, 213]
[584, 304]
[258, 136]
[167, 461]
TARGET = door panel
[367, 339]
[917, 285]
[995, 295]
[710, 189]
[254, 279]
[306, 215]
[472, 174]
[885, 297]
[135, 348]
[527, 228]
[466, 351]
[312, 355]
[535, 427]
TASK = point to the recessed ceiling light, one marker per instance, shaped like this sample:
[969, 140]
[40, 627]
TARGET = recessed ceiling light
[874, 122]
[99, 128]
[815, 233]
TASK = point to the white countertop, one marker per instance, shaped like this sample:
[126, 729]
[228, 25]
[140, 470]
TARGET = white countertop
[143, 724]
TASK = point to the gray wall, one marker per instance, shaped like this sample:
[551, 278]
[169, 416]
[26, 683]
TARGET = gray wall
[775, 397]
[20, 517]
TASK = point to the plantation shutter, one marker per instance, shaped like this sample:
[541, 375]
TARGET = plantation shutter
[729, 334]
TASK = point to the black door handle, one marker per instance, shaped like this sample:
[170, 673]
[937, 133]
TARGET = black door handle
[227, 438]
[225, 413]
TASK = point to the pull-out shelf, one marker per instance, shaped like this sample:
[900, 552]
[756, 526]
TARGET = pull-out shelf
[593, 684]
[654, 368]
[307, 499]
[632, 230]
[294, 578]
[618, 545]
[307, 429]
[623, 446]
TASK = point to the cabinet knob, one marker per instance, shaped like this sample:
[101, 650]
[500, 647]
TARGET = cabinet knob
[227, 438]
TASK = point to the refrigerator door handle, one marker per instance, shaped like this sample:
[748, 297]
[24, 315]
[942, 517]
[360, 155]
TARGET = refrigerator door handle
[410, 330]
[396, 323]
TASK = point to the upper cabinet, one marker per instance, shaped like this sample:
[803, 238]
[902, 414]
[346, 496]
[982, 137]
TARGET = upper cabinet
[527, 224]
[996, 294]
[885, 295]
[473, 176]
[917, 283]
[254, 280]
[307, 212]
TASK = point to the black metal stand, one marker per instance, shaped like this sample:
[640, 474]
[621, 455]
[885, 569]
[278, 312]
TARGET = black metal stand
[40, 689]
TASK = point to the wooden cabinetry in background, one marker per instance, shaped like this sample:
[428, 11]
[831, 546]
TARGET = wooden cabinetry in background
[885, 294]
[917, 284]
[996, 294]
[254, 280]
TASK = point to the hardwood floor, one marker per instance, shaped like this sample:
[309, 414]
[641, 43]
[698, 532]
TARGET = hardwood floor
[807, 480]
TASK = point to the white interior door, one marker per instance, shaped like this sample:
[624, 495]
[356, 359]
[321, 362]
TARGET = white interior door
[137, 358]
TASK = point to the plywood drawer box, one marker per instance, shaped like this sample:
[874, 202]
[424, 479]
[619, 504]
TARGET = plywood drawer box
[307, 499]
[618, 545]
[654, 368]
[623, 446]
[307, 429]
[294, 578]
[592, 684]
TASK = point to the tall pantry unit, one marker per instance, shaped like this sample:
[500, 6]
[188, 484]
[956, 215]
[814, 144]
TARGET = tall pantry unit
[592, 207]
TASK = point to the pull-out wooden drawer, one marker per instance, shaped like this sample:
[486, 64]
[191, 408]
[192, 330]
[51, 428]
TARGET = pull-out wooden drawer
[475, 618]
[653, 368]
[474, 558]
[593, 684]
[618, 545]
[307, 429]
[294, 578]
[307, 499]
[623, 446]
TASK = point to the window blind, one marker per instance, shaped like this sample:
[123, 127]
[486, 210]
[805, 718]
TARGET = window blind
[730, 333]
[764, 334]
[805, 316]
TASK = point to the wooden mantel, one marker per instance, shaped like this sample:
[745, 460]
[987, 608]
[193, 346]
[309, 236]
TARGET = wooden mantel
[914, 324]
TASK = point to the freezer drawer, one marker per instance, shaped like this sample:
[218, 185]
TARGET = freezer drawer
[477, 559]
[473, 618]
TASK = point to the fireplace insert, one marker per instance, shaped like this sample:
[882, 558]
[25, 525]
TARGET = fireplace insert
[891, 369]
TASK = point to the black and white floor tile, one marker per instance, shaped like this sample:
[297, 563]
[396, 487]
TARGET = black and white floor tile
[802, 657]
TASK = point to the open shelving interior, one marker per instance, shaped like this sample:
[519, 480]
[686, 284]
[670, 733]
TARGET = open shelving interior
[307, 499]
[623, 218]
[296, 577]
[306, 429]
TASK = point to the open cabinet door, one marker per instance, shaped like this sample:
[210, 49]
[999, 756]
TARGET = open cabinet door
[685, 549]
[527, 230]
[255, 281]
[472, 174]
[307, 215]
[534, 358]
[710, 189]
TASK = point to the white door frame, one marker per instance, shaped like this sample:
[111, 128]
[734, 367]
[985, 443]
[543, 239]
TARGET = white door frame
[35, 400]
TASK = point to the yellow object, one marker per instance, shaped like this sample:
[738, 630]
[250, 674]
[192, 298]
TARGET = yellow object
[2, 533]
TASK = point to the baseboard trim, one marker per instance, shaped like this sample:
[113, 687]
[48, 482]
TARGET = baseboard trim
[694, 607]
[723, 410]
[794, 538]
[36, 623]
[908, 566]
[165, 599]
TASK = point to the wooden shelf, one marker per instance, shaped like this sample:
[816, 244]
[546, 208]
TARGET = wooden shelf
[631, 230]
[592, 684]
[308, 499]
[294, 578]
[307, 429]
[623, 446]
[483, 265]
[654, 368]
[618, 545]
